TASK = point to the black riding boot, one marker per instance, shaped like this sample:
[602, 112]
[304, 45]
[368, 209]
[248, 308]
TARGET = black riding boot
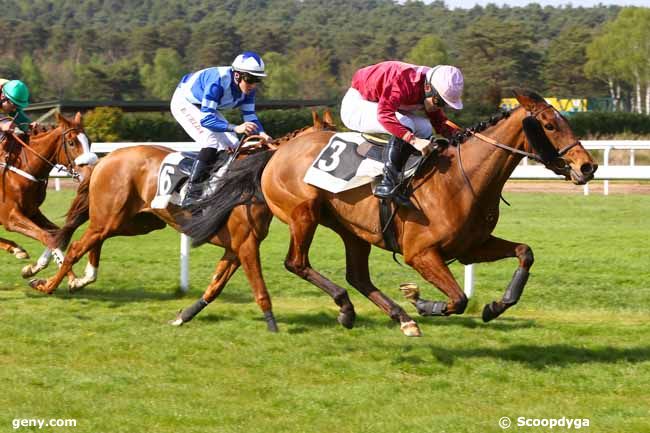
[395, 154]
[204, 161]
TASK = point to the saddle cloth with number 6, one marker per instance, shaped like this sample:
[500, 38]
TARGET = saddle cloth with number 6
[349, 161]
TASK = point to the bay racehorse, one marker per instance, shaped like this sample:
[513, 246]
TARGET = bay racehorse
[456, 196]
[24, 175]
[118, 203]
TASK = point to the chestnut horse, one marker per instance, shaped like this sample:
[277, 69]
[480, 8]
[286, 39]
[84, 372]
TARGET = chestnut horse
[25, 172]
[118, 203]
[457, 198]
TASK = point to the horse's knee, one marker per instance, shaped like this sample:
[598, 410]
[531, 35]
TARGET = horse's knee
[295, 267]
[525, 255]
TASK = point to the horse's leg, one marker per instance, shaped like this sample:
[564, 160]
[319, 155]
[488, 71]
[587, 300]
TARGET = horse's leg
[357, 274]
[13, 248]
[91, 238]
[90, 272]
[302, 226]
[494, 249]
[46, 257]
[249, 256]
[225, 268]
[432, 267]
[20, 223]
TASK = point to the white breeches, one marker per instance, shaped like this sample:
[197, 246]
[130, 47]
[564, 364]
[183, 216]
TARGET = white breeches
[189, 117]
[358, 114]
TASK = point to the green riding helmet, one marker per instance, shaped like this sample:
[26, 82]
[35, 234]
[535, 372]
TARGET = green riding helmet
[17, 92]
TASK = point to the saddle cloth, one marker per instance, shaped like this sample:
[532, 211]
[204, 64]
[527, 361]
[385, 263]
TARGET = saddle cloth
[350, 160]
[172, 175]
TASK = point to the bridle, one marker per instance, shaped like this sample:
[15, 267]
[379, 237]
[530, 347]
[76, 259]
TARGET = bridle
[543, 151]
[65, 143]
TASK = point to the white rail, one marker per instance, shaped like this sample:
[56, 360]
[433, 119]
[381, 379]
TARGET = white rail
[605, 172]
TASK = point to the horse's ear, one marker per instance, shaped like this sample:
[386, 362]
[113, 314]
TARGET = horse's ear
[529, 100]
[59, 117]
[317, 122]
[78, 119]
[328, 120]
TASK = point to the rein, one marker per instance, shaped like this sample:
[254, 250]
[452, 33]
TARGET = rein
[69, 166]
[530, 155]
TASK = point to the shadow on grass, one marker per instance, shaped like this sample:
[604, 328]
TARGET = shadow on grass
[115, 296]
[539, 357]
[302, 322]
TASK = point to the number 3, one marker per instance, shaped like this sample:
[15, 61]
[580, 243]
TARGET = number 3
[338, 147]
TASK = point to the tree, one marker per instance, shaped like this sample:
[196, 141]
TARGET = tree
[495, 54]
[282, 80]
[161, 77]
[430, 50]
[312, 66]
[30, 73]
[563, 71]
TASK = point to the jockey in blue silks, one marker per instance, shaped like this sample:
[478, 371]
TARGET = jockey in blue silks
[196, 103]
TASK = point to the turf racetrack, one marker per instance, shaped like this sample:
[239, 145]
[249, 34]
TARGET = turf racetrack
[576, 346]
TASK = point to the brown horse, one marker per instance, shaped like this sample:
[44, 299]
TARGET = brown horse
[118, 203]
[457, 198]
[25, 172]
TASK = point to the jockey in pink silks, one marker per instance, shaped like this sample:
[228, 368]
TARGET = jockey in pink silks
[383, 98]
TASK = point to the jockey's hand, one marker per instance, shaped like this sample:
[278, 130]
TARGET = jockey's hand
[247, 128]
[34, 126]
[266, 137]
[7, 126]
[420, 143]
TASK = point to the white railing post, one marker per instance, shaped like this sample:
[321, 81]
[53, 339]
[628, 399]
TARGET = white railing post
[585, 189]
[185, 263]
[57, 184]
[632, 161]
[469, 281]
[606, 163]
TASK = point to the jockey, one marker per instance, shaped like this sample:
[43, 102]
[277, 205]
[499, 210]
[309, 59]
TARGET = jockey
[14, 98]
[196, 103]
[382, 99]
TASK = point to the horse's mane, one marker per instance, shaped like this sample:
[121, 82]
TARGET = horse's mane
[461, 137]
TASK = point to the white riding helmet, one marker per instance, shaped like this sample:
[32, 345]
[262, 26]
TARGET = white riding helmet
[448, 82]
[249, 62]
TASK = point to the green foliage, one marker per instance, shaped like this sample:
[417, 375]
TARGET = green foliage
[161, 77]
[430, 51]
[31, 75]
[602, 123]
[104, 124]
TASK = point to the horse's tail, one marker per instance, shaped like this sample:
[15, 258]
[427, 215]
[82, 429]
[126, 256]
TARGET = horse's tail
[76, 215]
[241, 185]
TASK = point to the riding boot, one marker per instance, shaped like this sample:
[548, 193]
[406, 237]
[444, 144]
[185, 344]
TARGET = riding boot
[200, 170]
[395, 154]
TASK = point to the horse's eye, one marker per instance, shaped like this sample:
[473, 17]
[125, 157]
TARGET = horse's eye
[549, 127]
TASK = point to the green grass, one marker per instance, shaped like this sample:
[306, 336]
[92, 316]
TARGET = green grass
[576, 345]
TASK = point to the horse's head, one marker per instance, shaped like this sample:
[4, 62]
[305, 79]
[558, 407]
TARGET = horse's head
[551, 137]
[75, 149]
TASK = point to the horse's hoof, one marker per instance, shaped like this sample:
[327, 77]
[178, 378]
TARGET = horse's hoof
[178, 321]
[20, 254]
[489, 312]
[410, 291]
[347, 319]
[27, 271]
[410, 329]
[40, 285]
[75, 286]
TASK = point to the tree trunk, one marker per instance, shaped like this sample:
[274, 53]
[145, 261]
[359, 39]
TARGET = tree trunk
[647, 97]
[637, 93]
[612, 94]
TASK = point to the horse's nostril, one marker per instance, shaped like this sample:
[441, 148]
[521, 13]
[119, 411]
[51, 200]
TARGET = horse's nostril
[587, 169]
